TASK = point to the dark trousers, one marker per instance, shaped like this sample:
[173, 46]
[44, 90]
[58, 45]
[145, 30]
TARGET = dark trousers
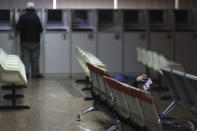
[30, 56]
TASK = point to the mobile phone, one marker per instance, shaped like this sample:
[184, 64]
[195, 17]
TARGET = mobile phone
[147, 84]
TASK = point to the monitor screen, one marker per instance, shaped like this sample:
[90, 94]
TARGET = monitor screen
[156, 16]
[105, 16]
[131, 16]
[181, 16]
[79, 16]
[54, 15]
[4, 15]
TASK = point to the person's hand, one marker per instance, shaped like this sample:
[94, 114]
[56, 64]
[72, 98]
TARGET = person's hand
[142, 78]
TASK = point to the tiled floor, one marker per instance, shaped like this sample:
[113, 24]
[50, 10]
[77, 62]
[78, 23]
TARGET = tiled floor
[55, 103]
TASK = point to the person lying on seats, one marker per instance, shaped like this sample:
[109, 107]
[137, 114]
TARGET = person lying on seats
[131, 79]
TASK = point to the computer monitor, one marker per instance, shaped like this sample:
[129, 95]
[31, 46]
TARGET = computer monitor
[4, 15]
[181, 16]
[105, 16]
[156, 16]
[131, 16]
[80, 17]
[54, 16]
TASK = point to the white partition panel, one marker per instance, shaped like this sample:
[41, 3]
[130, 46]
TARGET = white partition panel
[56, 52]
[131, 41]
[162, 42]
[87, 42]
[7, 42]
[110, 50]
[42, 50]
[186, 51]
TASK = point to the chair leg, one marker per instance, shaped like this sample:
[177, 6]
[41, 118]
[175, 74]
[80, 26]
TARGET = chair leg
[92, 108]
[13, 97]
[88, 99]
[88, 86]
[116, 127]
[169, 108]
[86, 80]
[112, 128]
[147, 71]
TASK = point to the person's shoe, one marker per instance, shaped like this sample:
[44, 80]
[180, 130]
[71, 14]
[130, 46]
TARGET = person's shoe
[37, 76]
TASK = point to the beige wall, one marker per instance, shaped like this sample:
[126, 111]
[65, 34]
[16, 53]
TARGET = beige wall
[187, 4]
[122, 4]
[146, 4]
[84, 4]
[60, 3]
[22, 3]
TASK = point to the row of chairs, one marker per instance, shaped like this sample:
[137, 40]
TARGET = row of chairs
[153, 60]
[82, 58]
[127, 104]
[85, 56]
[12, 69]
[12, 76]
[182, 87]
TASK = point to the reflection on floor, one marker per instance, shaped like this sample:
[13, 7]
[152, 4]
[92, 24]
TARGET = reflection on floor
[55, 103]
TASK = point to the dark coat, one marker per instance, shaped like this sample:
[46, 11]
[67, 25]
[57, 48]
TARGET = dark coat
[29, 26]
[127, 78]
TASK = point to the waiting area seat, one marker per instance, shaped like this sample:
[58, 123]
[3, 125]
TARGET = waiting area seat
[147, 109]
[85, 56]
[13, 76]
[129, 105]
[182, 88]
[12, 69]
[153, 60]
[82, 58]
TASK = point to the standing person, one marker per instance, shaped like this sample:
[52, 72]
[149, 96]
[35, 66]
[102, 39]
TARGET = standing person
[30, 29]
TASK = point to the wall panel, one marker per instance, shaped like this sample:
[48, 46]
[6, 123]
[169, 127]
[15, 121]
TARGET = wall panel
[75, 4]
[146, 4]
[123, 4]
[185, 4]
[22, 3]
